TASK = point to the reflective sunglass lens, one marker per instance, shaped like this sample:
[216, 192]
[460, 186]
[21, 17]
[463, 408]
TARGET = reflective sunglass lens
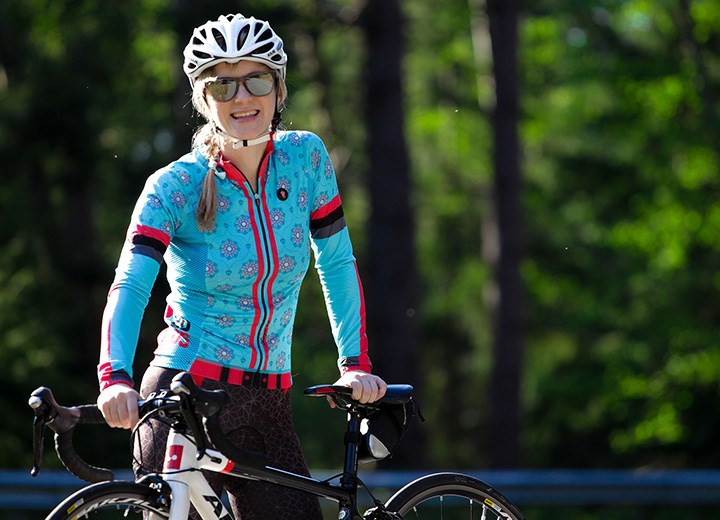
[225, 89]
[222, 90]
[260, 85]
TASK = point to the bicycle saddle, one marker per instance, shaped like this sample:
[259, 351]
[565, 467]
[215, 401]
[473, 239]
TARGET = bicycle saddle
[395, 394]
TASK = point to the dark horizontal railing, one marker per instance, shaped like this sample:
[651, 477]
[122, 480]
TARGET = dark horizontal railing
[20, 491]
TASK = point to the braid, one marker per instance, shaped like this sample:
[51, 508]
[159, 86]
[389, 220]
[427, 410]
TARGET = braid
[207, 203]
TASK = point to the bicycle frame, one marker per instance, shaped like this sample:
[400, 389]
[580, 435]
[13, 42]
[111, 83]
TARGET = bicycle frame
[189, 486]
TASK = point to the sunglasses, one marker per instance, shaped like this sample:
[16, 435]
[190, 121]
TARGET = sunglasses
[225, 89]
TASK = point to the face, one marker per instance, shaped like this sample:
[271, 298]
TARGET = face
[245, 116]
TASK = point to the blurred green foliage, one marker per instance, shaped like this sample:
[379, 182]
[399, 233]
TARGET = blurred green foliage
[620, 137]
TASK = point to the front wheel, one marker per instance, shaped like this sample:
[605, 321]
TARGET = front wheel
[451, 495]
[107, 500]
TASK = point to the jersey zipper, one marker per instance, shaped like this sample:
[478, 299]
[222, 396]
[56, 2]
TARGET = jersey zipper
[262, 298]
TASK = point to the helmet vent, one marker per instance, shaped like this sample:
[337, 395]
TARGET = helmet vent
[264, 48]
[242, 36]
[220, 39]
[266, 35]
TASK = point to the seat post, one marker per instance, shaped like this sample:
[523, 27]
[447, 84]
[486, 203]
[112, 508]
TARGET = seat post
[352, 440]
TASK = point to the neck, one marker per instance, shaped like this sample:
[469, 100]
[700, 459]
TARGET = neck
[235, 143]
[247, 159]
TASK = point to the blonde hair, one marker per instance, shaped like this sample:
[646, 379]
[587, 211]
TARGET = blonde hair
[208, 141]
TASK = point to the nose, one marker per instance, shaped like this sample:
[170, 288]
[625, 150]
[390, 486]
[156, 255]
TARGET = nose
[242, 93]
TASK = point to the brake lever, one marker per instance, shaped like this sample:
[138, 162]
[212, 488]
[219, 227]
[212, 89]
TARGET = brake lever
[38, 443]
[39, 423]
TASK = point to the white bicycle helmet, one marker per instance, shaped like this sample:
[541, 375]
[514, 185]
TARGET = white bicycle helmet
[232, 38]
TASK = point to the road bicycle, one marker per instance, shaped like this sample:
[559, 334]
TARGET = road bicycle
[196, 442]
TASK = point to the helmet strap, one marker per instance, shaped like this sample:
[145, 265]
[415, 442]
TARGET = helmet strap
[277, 117]
[244, 143]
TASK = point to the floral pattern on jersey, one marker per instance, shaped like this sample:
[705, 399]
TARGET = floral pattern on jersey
[154, 202]
[243, 340]
[223, 354]
[273, 341]
[280, 362]
[184, 178]
[283, 157]
[229, 249]
[277, 218]
[283, 184]
[329, 172]
[287, 263]
[315, 158]
[210, 301]
[243, 225]
[178, 199]
[211, 269]
[297, 139]
[302, 199]
[286, 317]
[278, 299]
[245, 303]
[223, 204]
[298, 236]
[224, 321]
[249, 270]
[167, 227]
[224, 288]
[321, 200]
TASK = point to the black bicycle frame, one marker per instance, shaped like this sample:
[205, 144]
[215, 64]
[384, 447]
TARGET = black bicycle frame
[345, 493]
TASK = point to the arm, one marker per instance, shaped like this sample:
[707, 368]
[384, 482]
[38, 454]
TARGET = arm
[341, 284]
[135, 276]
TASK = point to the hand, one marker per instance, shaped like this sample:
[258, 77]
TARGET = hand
[119, 405]
[366, 388]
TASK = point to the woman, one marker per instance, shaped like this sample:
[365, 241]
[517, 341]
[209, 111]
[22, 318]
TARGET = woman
[235, 220]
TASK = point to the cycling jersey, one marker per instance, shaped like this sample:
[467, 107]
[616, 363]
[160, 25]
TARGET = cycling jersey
[235, 287]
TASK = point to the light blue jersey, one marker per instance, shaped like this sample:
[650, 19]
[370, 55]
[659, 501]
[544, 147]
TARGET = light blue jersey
[234, 288]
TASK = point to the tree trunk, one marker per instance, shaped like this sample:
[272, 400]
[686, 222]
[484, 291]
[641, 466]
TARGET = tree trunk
[392, 280]
[508, 314]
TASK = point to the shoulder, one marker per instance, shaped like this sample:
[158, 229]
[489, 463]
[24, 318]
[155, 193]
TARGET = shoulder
[185, 173]
[297, 139]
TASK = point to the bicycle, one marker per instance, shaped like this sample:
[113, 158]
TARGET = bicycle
[196, 442]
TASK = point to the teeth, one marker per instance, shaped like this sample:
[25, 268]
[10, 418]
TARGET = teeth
[244, 114]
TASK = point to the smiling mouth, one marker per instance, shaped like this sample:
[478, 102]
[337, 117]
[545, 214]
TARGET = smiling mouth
[245, 115]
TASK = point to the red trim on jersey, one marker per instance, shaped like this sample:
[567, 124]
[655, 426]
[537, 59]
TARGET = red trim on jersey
[328, 208]
[151, 232]
[202, 369]
[271, 280]
[256, 284]
[363, 331]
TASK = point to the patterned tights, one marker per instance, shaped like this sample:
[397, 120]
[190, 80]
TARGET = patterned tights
[254, 419]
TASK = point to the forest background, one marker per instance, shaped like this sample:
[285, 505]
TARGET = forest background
[531, 190]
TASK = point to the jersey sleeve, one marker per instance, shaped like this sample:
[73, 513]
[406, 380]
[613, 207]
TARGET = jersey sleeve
[336, 265]
[149, 234]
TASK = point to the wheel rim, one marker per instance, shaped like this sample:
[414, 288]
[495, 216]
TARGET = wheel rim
[451, 504]
[116, 507]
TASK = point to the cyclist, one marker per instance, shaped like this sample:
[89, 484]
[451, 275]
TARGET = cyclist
[235, 220]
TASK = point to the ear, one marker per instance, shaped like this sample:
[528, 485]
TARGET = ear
[281, 94]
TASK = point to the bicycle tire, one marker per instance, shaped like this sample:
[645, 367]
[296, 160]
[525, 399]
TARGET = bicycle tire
[128, 500]
[449, 496]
